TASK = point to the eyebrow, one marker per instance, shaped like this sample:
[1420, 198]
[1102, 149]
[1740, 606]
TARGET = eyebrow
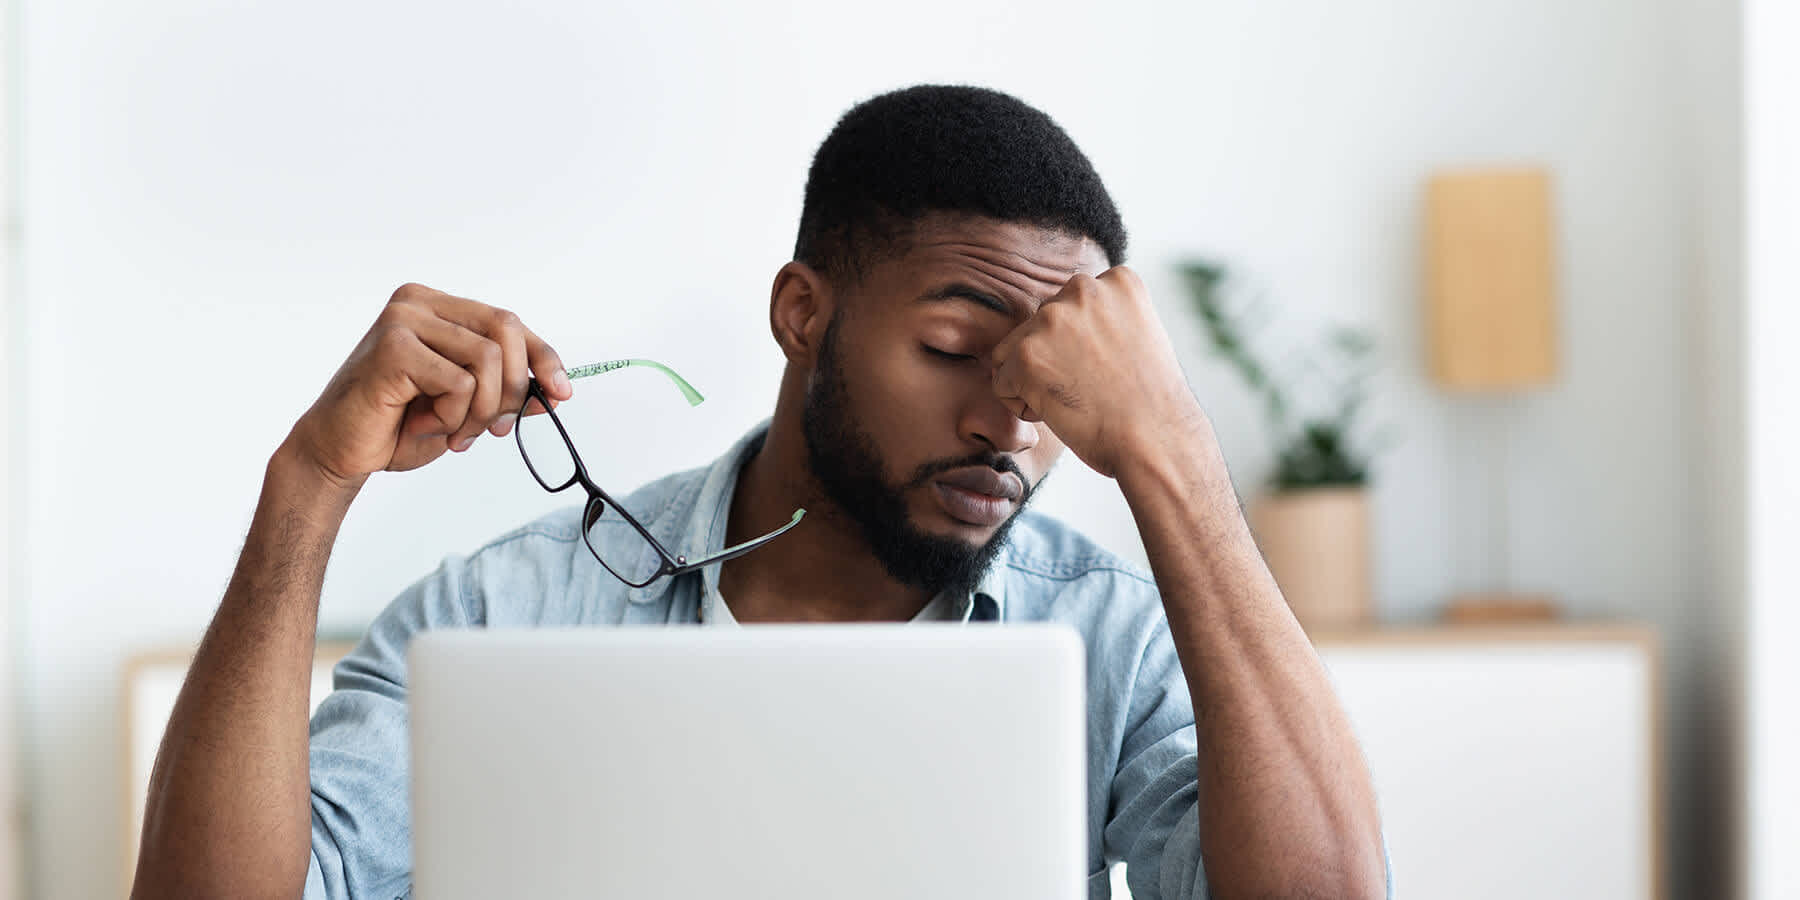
[961, 291]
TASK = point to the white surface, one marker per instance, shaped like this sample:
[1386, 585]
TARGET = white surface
[218, 196]
[1507, 770]
[1772, 192]
[805, 763]
[150, 699]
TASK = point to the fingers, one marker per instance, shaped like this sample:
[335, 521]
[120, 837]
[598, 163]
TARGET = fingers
[1008, 383]
[510, 337]
[502, 325]
[1007, 389]
[549, 367]
[446, 387]
[493, 346]
[483, 358]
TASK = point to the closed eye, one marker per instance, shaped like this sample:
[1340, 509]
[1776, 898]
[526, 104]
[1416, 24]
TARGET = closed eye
[946, 355]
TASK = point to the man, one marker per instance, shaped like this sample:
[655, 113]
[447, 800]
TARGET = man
[954, 317]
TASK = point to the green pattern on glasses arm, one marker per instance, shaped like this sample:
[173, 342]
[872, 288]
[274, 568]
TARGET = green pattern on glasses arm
[601, 368]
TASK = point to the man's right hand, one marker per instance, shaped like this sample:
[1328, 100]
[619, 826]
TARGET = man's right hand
[433, 372]
[228, 812]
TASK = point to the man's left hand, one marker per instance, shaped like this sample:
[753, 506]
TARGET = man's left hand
[1095, 365]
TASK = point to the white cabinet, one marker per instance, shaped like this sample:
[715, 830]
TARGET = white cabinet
[1510, 762]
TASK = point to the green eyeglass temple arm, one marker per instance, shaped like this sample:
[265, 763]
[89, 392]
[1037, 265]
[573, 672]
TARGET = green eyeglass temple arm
[738, 550]
[601, 368]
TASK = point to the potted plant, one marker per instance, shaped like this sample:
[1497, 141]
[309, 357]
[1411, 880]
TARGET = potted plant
[1312, 521]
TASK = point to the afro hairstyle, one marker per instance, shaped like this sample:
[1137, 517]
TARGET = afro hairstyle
[899, 157]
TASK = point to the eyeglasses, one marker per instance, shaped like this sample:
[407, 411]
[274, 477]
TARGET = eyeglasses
[637, 558]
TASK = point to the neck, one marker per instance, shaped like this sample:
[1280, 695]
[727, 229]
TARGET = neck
[822, 571]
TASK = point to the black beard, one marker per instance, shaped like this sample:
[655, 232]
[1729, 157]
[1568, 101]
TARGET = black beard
[849, 466]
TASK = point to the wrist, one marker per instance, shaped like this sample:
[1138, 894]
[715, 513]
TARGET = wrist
[1171, 452]
[295, 482]
[1182, 464]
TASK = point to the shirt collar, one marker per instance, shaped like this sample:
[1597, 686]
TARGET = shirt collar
[701, 530]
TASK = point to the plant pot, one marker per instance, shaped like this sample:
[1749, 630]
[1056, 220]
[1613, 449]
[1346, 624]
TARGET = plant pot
[1316, 542]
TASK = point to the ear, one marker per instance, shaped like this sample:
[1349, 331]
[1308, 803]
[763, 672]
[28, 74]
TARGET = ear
[800, 306]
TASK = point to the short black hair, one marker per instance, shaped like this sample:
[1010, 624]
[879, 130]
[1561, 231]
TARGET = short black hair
[901, 156]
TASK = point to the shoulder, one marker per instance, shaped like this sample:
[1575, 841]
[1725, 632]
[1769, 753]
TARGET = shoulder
[555, 529]
[1051, 572]
[1043, 550]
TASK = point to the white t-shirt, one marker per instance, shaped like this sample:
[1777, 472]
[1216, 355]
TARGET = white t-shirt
[942, 608]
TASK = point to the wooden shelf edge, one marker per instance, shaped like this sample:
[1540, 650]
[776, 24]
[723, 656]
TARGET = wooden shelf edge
[1458, 635]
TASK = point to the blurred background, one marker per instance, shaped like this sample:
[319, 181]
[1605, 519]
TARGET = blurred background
[207, 202]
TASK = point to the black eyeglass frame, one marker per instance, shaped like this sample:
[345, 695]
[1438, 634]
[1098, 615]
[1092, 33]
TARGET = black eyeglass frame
[599, 499]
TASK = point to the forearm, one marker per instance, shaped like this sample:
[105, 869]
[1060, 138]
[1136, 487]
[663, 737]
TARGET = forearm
[1287, 808]
[228, 810]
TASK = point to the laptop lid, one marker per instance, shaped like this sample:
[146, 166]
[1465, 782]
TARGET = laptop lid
[799, 762]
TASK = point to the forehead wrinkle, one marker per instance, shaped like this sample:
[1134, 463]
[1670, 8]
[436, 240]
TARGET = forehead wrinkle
[1059, 246]
[1047, 272]
[1032, 279]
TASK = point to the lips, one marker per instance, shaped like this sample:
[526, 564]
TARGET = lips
[983, 480]
[979, 496]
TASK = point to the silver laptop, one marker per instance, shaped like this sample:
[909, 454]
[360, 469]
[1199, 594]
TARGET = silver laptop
[792, 762]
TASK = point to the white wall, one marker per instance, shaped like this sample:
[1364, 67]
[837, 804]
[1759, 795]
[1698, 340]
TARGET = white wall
[218, 197]
[1772, 206]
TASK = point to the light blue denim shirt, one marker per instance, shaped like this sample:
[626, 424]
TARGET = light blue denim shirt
[1142, 768]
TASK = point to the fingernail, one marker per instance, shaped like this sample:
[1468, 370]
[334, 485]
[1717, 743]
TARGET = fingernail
[504, 424]
[561, 379]
[466, 444]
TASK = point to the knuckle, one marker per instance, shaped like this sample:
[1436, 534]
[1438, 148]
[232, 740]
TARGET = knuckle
[506, 321]
[1030, 355]
[465, 382]
[1125, 275]
[489, 354]
[392, 317]
[411, 290]
[392, 338]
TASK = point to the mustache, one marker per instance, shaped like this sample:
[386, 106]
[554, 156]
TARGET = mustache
[999, 462]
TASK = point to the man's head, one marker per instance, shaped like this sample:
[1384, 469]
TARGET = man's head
[936, 220]
[896, 159]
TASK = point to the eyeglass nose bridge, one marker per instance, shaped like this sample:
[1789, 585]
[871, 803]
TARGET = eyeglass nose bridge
[596, 507]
